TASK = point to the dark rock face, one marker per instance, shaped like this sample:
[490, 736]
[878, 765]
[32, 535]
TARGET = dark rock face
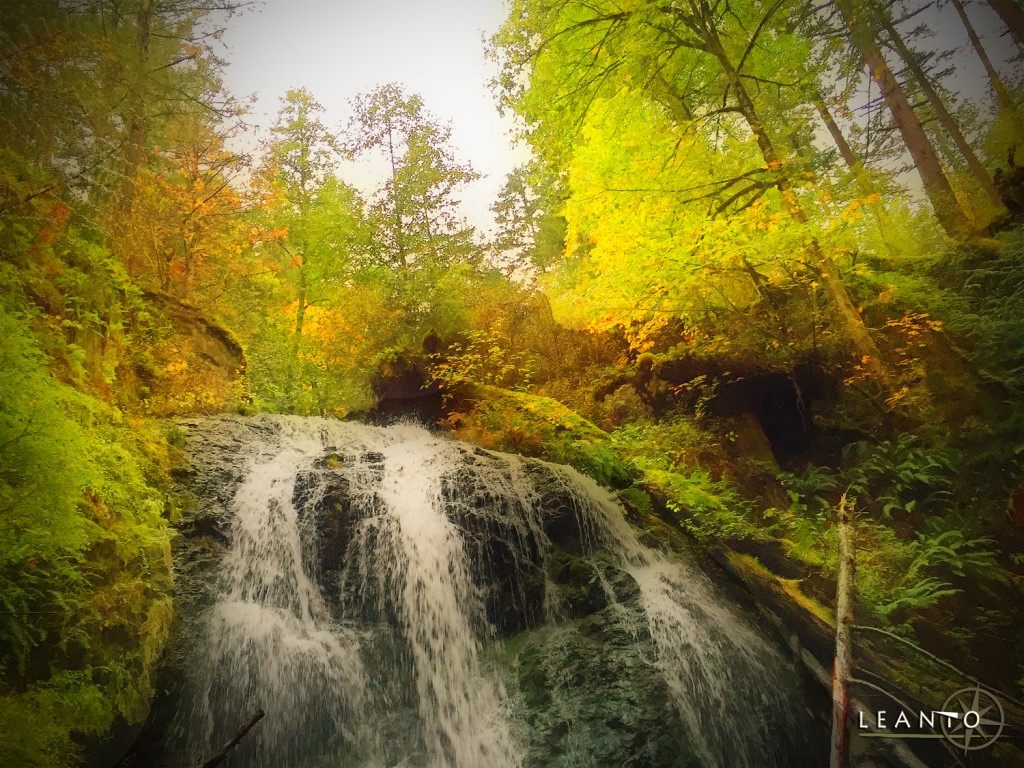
[323, 498]
[205, 487]
[590, 691]
[592, 697]
[403, 390]
[514, 565]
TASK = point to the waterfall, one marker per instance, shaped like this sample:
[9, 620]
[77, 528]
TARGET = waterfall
[375, 581]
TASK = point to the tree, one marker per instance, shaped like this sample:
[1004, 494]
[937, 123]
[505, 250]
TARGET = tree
[109, 97]
[527, 228]
[711, 66]
[307, 212]
[106, 104]
[860, 21]
[977, 168]
[1013, 17]
[1003, 97]
[417, 205]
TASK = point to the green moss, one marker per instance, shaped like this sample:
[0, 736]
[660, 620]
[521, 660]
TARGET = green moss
[32, 734]
[85, 584]
[541, 427]
[751, 568]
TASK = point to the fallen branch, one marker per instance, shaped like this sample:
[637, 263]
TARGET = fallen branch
[221, 756]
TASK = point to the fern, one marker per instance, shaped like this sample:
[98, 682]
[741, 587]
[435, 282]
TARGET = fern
[917, 594]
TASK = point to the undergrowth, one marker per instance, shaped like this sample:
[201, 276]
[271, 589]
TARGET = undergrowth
[85, 605]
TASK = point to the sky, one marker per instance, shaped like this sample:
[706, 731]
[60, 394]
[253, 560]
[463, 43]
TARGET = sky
[338, 48]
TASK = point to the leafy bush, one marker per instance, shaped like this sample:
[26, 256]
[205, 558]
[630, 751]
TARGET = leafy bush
[709, 508]
[84, 558]
[895, 577]
[901, 476]
[990, 314]
[481, 358]
[897, 573]
[664, 445]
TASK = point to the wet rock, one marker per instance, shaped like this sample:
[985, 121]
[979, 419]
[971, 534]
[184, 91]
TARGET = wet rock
[323, 499]
[592, 697]
[586, 585]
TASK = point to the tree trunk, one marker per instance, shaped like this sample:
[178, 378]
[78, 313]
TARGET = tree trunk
[1012, 15]
[399, 233]
[864, 184]
[843, 663]
[945, 119]
[845, 150]
[1002, 94]
[138, 128]
[300, 310]
[926, 160]
[296, 350]
[852, 322]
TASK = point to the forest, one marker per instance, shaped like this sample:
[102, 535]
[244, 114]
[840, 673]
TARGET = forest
[766, 262]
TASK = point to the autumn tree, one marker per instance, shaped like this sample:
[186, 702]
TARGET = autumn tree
[114, 186]
[118, 110]
[417, 204]
[725, 74]
[311, 223]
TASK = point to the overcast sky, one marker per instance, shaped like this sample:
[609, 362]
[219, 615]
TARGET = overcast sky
[338, 48]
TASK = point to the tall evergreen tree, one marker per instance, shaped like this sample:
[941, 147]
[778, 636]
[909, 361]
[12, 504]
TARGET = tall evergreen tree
[861, 22]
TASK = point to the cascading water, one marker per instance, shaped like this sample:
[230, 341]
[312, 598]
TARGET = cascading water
[377, 581]
[269, 635]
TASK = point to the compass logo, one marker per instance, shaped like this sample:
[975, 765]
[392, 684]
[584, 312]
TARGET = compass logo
[973, 719]
[970, 719]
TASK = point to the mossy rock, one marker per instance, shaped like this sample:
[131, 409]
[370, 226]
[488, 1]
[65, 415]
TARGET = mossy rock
[589, 695]
[540, 427]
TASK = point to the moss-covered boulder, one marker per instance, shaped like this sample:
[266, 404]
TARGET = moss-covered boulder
[536, 426]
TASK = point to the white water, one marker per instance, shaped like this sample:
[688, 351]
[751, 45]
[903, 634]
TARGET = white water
[722, 675]
[418, 554]
[269, 640]
[399, 671]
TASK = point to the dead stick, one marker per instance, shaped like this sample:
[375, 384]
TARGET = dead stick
[221, 756]
[843, 664]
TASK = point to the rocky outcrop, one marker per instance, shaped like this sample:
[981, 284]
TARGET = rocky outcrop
[592, 697]
[191, 365]
[402, 388]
